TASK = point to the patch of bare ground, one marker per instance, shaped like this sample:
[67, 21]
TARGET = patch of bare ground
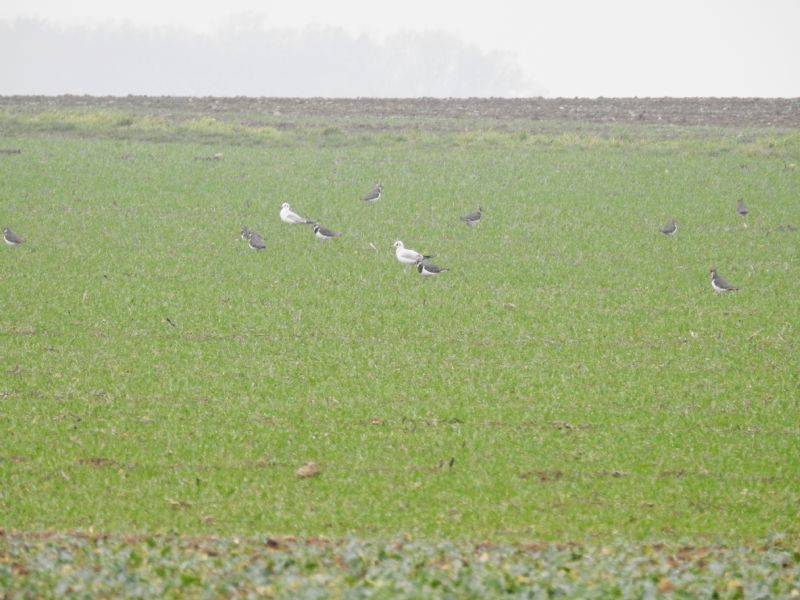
[721, 112]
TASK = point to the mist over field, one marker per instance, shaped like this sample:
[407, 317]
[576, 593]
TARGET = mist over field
[246, 59]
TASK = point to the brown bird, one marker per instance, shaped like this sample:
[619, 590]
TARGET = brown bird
[310, 469]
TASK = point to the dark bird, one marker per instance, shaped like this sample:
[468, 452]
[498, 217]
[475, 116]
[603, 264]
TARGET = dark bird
[670, 228]
[255, 242]
[429, 270]
[324, 234]
[374, 194]
[11, 238]
[473, 218]
[741, 208]
[719, 284]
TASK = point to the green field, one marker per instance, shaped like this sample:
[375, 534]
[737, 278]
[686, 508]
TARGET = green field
[572, 378]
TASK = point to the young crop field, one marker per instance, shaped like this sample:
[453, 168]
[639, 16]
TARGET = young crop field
[571, 381]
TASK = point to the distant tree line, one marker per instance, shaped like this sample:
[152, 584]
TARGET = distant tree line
[242, 60]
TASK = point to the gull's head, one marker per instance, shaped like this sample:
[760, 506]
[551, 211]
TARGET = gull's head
[398, 244]
[285, 205]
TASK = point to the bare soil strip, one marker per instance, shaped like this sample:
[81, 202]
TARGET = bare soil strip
[720, 112]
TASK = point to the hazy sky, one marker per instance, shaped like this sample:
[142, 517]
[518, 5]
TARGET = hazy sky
[551, 48]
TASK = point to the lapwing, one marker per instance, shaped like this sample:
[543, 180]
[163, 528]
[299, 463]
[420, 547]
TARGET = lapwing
[670, 228]
[374, 194]
[291, 217]
[407, 256]
[245, 233]
[255, 242]
[429, 270]
[324, 234]
[11, 238]
[473, 218]
[719, 284]
[741, 208]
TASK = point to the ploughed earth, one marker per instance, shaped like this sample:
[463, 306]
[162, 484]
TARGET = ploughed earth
[715, 112]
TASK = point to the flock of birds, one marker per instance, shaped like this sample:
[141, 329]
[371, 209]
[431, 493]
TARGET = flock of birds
[718, 283]
[408, 256]
[404, 255]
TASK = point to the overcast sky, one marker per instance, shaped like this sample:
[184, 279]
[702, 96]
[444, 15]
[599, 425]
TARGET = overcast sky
[409, 48]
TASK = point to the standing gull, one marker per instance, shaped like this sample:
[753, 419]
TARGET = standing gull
[407, 256]
[291, 217]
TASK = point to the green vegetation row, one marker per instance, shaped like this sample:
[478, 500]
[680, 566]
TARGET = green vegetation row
[90, 566]
[262, 129]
